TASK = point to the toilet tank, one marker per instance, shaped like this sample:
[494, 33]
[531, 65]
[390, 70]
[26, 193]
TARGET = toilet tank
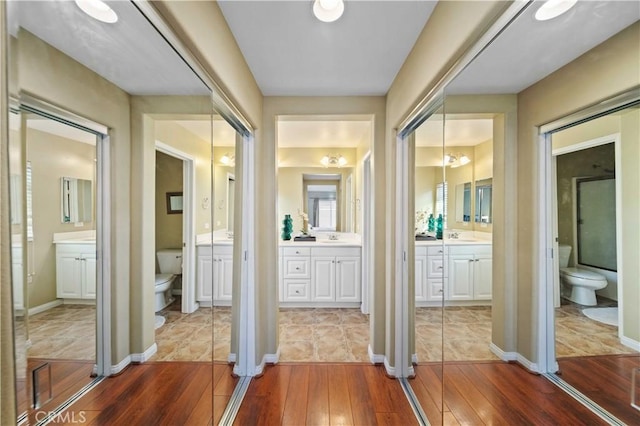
[170, 261]
[564, 255]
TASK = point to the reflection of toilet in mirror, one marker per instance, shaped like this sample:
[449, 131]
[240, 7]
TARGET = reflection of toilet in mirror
[578, 285]
[170, 262]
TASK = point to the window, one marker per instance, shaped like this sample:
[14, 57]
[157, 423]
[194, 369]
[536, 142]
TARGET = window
[442, 198]
[322, 205]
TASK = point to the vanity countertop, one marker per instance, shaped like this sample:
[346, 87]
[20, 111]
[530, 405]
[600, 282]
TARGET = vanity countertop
[321, 243]
[216, 242]
[77, 241]
[453, 242]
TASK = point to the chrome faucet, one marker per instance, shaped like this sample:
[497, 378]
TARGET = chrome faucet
[333, 237]
[454, 235]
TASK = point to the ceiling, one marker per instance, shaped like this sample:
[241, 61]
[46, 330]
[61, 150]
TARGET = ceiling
[324, 133]
[130, 53]
[291, 53]
[459, 130]
[529, 50]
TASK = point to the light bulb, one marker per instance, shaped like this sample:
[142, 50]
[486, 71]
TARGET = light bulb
[99, 10]
[342, 161]
[554, 8]
[464, 160]
[326, 14]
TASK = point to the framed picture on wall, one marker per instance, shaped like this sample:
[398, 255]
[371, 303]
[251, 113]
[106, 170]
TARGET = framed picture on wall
[174, 202]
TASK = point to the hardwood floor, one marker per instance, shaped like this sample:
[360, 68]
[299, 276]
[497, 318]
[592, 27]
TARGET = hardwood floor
[325, 394]
[475, 393]
[162, 393]
[68, 377]
[494, 393]
[606, 380]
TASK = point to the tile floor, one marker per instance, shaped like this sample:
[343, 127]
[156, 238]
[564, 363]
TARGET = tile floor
[63, 332]
[314, 334]
[318, 335]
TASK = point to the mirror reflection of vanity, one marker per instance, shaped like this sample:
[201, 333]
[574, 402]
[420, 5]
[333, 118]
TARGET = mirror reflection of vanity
[76, 200]
[463, 202]
[483, 201]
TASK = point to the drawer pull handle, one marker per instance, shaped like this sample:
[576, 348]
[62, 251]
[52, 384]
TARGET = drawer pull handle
[297, 252]
[440, 291]
[440, 251]
[440, 267]
[297, 268]
[470, 260]
[477, 260]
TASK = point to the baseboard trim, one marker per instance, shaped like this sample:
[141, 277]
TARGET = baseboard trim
[630, 343]
[504, 356]
[391, 371]
[45, 307]
[531, 366]
[414, 359]
[374, 358]
[146, 355]
[116, 369]
[231, 359]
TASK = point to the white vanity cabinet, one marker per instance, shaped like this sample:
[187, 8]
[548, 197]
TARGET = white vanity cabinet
[76, 270]
[296, 274]
[470, 276]
[214, 275]
[430, 273]
[320, 276]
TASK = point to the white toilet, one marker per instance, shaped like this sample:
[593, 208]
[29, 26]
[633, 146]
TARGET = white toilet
[170, 262]
[580, 283]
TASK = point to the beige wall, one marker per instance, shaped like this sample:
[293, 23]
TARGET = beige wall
[221, 207]
[168, 179]
[217, 51]
[53, 157]
[608, 69]
[51, 76]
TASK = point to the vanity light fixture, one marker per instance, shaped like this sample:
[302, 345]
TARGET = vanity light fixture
[455, 160]
[99, 10]
[228, 160]
[333, 161]
[554, 8]
[328, 10]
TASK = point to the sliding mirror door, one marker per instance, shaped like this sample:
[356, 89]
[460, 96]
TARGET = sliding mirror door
[430, 270]
[123, 128]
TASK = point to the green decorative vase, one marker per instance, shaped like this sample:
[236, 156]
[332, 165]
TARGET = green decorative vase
[439, 224]
[431, 223]
[287, 227]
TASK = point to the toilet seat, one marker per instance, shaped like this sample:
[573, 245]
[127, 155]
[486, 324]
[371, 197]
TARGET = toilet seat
[582, 274]
[163, 278]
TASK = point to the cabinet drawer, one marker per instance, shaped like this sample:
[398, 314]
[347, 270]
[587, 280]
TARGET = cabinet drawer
[437, 250]
[436, 267]
[434, 289]
[297, 251]
[297, 267]
[296, 290]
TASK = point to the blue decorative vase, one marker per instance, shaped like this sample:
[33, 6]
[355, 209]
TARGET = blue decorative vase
[439, 227]
[431, 223]
[287, 227]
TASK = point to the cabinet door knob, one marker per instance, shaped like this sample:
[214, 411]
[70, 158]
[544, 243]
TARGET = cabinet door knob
[338, 261]
[440, 291]
[297, 268]
[470, 260]
[476, 260]
[440, 251]
[440, 267]
[297, 252]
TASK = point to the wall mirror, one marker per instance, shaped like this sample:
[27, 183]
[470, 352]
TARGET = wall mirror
[463, 202]
[483, 201]
[76, 200]
[174, 202]
[322, 201]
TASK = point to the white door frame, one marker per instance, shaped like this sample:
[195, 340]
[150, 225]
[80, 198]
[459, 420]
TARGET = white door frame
[246, 364]
[400, 285]
[189, 303]
[366, 208]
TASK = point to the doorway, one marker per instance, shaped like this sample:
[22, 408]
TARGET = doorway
[592, 329]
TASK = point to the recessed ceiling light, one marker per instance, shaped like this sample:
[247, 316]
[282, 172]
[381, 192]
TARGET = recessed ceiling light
[554, 8]
[328, 10]
[99, 10]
